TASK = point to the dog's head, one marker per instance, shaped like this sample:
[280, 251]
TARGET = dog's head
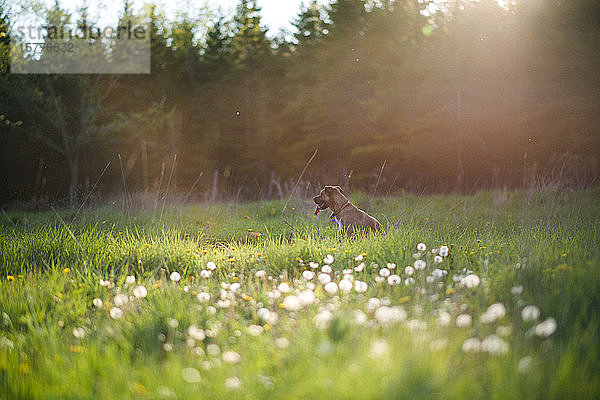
[329, 197]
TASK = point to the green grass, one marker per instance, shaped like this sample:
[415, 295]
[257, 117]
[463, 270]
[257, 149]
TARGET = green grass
[336, 347]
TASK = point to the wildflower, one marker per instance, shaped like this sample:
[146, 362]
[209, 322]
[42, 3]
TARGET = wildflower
[130, 280]
[313, 265]
[308, 275]
[386, 315]
[322, 319]
[546, 328]
[255, 330]
[267, 316]
[394, 280]
[421, 247]
[359, 267]
[211, 266]
[384, 272]
[358, 257]
[233, 383]
[324, 278]
[494, 345]
[345, 285]
[494, 312]
[471, 345]
[444, 318]
[327, 269]
[173, 323]
[116, 313]
[292, 303]
[372, 304]
[231, 357]
[328, 259]
[140, 292]
[190, 375]
[470, 281]
[105, 283]
[175, 277]
[524, 364]
[530, 313]
[408, 270]
[121, 300]
[205, 274]
[10, 278]
[307, 297]
[379, 348]
[463, 321]
[360, 286]
[235, 287]
[66, 270]
[79, 333]
[196, 333]
[444, 251]
[420, 265]
[348, 277]
[331, 288]
[260, 273]
[438, 259]
[284, 287]
[203, 297]
[516, 290]
[391, 266]
[282, 343]
[97, 302]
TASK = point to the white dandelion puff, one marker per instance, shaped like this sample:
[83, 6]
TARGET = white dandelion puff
[260, 273]
[394, 280]
[211, 266]
[130, 280]
[231, 357]
[97, 302]
[140, 292]
[331, 288]
[384, 272]
[175, 277]
[444, 251]
[345, 285]
[471, 345]
[324, 278]
[530, 313]
[116, 313]
[328, 259]
[308, 275]
[420, 265]
[191, 375]
[421, 247]
[463, 321]
[360, 286]
[120, 300]
[470, 281]
[546, 328]
[196, 333]
[408, 270]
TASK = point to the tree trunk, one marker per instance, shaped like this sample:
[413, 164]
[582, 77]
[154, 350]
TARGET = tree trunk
[74, 168]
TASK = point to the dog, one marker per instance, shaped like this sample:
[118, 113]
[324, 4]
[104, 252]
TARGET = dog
[350, 219]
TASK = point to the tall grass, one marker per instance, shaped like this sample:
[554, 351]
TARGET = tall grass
[544, 244]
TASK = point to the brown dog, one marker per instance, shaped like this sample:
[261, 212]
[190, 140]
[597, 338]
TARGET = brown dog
[349, 218]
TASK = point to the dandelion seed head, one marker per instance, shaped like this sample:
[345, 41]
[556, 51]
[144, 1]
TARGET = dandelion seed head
[233, 383]
[190, 375]
[120, 300]
[546, 328]
[463, 321]
[231, 357]
[196, 333]
[328, 259]
[471, 345]
[384, 272]
[394, 280]
[140, 292]
[308, 275]
[421, 247]
[530, 313]
[175, 277]
[420, 265]
[97, 302]
[115, 313]
[130, 279]
[211, 266]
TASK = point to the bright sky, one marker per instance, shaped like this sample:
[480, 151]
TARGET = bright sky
[277, 14]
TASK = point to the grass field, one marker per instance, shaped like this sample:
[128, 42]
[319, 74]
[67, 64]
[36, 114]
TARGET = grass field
[92, 307]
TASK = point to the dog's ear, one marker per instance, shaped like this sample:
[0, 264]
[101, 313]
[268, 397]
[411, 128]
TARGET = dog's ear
[340, 189]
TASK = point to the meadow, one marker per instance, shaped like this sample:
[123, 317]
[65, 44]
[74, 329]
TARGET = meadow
[494, 295]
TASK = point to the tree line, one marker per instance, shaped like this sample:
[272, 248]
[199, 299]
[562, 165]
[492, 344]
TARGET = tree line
[392, 95]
